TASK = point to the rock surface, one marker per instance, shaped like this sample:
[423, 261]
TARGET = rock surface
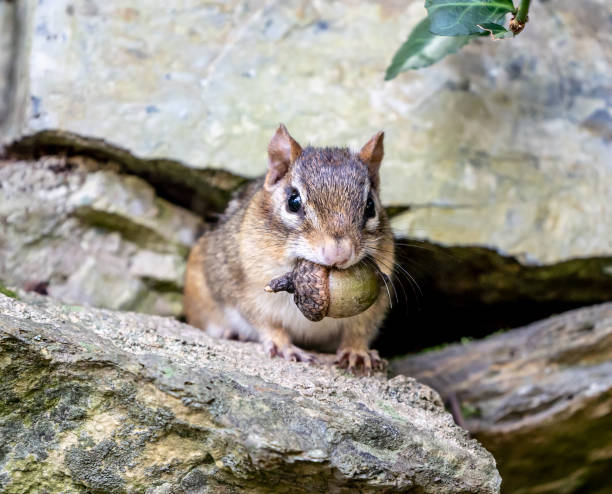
[506, 144]
[100, 401]
[539, 398]
[86, 234]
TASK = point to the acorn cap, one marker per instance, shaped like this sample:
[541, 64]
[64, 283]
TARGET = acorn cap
[311, 283]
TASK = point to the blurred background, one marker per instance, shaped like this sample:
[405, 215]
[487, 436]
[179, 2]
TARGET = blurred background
[126, 125]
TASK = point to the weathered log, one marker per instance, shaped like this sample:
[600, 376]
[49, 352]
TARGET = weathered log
[100, 401]
[539, 398]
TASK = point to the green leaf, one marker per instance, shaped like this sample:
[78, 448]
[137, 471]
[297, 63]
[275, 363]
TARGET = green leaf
[497, 31]
[461, 17]
[422, 48]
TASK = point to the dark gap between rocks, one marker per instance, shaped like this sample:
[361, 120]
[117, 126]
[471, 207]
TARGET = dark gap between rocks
[472, 292]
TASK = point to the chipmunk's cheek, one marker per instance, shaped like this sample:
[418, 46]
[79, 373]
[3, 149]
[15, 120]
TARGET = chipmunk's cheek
[372, 224]
[291, 221]
[302, 249]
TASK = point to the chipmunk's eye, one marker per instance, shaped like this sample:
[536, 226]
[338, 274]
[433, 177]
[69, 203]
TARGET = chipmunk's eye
[370, 209]
[294, 203]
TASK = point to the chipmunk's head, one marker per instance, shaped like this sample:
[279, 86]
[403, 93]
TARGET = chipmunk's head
[325, 200]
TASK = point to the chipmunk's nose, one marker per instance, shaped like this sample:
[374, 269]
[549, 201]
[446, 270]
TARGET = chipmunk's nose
[337, 252]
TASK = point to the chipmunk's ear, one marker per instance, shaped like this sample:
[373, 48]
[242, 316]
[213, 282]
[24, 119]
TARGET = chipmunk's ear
[372, 154]
[283, 150]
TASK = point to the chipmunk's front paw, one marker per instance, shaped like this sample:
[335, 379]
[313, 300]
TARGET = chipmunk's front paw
[359, 361]
[289, 352]
[232, 334]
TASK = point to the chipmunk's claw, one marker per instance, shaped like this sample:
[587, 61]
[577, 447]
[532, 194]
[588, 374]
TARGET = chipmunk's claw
[359, 362]
[289, 352]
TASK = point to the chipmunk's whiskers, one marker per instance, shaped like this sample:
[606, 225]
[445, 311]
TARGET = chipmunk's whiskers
[370, 262]
[401, 271]
[397, 280]
[430, 248]
[373, 254]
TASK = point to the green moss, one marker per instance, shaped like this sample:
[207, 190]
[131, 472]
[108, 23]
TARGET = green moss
[5, 291]
[162, 286]
[486, 276]
[139, 234]
[395, 210]
[74, 308]
[434, 348]
[88, 346]
[564, 450]
[32, 415]
[389, 409]
[470, 411]
[168, 371]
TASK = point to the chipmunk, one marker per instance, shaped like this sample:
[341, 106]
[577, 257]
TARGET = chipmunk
[319, 204]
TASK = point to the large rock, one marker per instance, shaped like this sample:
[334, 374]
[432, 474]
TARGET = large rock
[539, 398]
[86, 234]
[101, 401]
[506, 144]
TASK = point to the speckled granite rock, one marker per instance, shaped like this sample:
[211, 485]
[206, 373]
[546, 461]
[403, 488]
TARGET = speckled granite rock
[539, 398]
[91, 235]
[101, 401]
[506, 144]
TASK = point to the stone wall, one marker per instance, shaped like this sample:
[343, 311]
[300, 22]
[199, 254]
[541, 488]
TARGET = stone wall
[506, 144]
[78, 230]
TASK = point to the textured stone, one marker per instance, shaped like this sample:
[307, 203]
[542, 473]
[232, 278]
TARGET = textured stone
[101, 401]
[505, 144]
[90, 235]
[539, 398]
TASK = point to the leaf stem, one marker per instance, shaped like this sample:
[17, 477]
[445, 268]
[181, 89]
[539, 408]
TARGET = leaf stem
[521, 15]
[517, 24]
